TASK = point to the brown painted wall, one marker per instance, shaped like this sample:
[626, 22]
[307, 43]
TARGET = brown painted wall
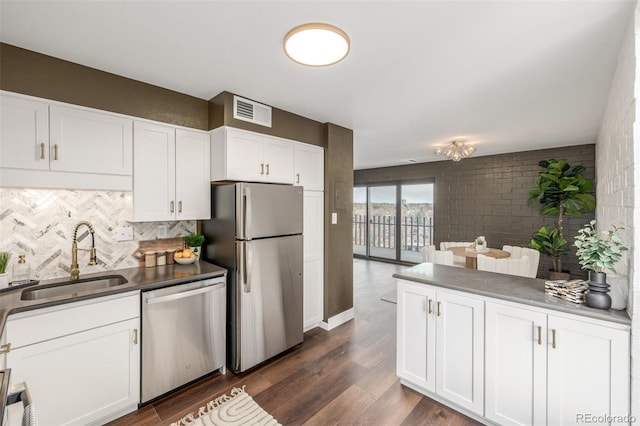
[35, 74]
[338, 243]
[284, 124]
[488, 196]
[31, 73]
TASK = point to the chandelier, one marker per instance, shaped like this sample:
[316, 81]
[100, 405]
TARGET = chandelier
[456, 150]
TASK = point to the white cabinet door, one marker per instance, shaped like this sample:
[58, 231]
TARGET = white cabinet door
[460, 350]
[244, 152]
[416, 335]
[588, 371]
[193, 187]
[515, 365]
[309, 167]
[24, 133]
[83, 377]
[313, 278]
[154, 176]
[278, 159]
[90, 142]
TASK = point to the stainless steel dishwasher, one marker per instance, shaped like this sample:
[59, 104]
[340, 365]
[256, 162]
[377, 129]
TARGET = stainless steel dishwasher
[183, 334]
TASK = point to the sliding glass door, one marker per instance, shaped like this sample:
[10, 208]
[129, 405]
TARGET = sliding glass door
[393, 221]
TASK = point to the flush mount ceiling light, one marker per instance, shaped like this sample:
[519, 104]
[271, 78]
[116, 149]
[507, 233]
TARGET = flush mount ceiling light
[316, 44]
[456, 150]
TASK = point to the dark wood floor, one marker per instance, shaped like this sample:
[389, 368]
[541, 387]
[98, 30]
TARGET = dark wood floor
[345, 376]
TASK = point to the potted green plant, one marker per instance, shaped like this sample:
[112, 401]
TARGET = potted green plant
[598, 253]
[561, 190]
[5, 256]
[481, 243]
[195, 242]
[549, 242]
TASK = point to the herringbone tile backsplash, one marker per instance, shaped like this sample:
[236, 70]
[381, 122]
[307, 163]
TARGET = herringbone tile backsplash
[39, 224]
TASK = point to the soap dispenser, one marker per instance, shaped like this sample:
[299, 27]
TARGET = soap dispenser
[21, 271]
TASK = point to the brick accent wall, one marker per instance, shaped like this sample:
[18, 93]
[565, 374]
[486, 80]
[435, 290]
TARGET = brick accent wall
[618, 168]
[488, 196]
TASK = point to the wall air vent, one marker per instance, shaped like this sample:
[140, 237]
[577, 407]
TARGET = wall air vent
[253, 112]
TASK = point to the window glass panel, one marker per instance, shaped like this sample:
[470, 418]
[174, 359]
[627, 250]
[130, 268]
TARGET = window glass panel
[416, 220]
[360, 220]
[382, 221]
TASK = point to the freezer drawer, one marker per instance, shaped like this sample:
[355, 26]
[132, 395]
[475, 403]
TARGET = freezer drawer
[268, 298]
[183, 334]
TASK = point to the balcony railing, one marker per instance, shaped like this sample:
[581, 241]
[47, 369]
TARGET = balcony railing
[415, 231]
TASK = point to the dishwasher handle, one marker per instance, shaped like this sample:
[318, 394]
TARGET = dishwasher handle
[184, 294]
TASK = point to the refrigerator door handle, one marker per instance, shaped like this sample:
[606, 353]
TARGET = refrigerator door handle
[246, 214]
[241, 272]
[247, 268]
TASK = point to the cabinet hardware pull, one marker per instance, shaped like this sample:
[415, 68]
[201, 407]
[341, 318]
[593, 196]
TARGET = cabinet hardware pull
[42, 151]
[430, 306]
[172, 207]
[539, 335]
[267, 169]
[438, 309]
[179, 206]
[297, 177]
[135, 336]
[553, 338]
[4, 349]
[55, 151]
[261, 168]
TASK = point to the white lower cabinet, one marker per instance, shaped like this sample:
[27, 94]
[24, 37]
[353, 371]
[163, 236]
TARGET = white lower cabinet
[512, 364]
[78, 372]
[546, 368]
[516, 365]
[441, 343]
[588, 372]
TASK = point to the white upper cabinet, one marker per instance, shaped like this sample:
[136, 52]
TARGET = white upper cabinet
[309, 167]
[24, 133]
[89, 142]
[40, 138]
[171, 179]
[240, 155]
[193, 188]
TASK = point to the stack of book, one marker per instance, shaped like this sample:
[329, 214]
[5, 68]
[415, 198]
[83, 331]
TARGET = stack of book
[572, 291]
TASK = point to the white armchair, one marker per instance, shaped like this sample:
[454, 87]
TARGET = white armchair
[443, 257]
[519, 267]
[520, 252]
[457, 260]
[428, 253]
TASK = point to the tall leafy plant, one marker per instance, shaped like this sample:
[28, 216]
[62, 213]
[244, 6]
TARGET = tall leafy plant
[561, 190]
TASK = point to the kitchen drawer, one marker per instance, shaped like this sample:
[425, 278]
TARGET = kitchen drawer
[30, 327]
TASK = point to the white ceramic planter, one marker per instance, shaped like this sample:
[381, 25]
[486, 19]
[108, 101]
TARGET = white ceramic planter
[196, 251]
[4, 280]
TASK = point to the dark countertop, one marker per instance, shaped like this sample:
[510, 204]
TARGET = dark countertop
[527, 291]
[138, 279]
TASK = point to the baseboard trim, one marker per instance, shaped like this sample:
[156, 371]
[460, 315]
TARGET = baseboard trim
[337, 320]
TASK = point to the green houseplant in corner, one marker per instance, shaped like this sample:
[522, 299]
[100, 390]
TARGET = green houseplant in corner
[597, 255]
[560, 190]
[195, 242]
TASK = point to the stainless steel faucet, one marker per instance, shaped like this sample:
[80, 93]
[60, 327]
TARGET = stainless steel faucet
[75, 270]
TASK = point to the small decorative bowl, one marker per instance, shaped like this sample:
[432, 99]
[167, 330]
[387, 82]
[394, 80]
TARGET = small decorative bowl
[185, 260]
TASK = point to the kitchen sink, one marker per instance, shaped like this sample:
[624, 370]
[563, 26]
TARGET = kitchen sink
[73, 288]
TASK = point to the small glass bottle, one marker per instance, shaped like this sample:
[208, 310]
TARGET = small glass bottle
[21, 271]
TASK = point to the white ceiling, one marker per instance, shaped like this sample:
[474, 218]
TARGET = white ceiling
[506, 75]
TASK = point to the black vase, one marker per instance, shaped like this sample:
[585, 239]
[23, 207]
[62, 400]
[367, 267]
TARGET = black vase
[597, 296]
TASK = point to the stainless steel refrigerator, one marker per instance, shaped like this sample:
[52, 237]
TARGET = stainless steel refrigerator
[255, 231]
